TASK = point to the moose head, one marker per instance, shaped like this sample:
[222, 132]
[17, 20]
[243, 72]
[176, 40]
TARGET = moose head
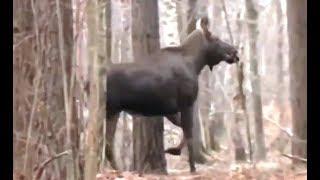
[217, 50]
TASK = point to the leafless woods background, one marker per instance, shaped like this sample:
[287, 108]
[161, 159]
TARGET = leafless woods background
[254, 112]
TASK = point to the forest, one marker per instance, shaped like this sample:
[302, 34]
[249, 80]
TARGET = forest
[159, 89]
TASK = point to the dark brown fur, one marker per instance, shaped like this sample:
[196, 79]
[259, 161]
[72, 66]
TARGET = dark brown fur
[164, 84]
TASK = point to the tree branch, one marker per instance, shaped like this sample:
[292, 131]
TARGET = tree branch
[46, 162]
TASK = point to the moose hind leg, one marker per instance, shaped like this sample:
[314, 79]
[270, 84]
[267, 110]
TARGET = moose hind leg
[176, 120]
[187, 125]
[176, 150]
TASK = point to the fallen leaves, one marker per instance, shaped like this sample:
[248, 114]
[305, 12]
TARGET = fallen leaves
[236, 171]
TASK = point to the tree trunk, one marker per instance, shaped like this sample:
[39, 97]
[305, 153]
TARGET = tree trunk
[239, 140]
[205, 108]
[97, 94]
[108, 30]
[217, 130]
[218, 119]
[279, 57]
[217, 17]
[123, 137]
[252, 16]
[281, 141]
[191, 16]
[72, 142]
[123, 146]
[297, 32]
[180, 19]
[199, 150]
[240, 102]
[148, 150]
[23, 73]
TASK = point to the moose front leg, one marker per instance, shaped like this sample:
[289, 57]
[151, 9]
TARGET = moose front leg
[187, 125]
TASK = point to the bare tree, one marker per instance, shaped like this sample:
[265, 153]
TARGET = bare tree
[279, 57]
[123, 136]
[148, 147]
[65, 29]
[214, 125]
[240, 100]
[235, 133]
[126, 133]
[252, 19]
[97, 94]
[281, 141]
[297, 32]
[44, 73]
[24, 70]
[238, 138]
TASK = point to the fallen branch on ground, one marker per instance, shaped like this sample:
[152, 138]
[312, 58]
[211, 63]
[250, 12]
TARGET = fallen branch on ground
[295, 157]
[301, 173]
[46, 162]
[286, 131]
[279, 126]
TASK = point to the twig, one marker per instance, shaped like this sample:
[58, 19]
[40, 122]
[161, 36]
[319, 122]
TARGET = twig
[295, 157]
[46, 162]
[16, 45]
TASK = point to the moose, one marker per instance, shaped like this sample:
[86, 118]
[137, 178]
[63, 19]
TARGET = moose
[164, 84]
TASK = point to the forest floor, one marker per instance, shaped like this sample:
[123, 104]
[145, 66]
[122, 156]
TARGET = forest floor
[221, 165]
[277, 167]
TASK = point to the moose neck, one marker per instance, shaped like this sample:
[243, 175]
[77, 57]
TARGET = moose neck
[199, 62]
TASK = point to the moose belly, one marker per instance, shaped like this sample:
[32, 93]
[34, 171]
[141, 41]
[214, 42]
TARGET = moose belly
[151, 107]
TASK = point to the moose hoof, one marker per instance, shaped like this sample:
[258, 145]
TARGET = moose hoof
[173, 151]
